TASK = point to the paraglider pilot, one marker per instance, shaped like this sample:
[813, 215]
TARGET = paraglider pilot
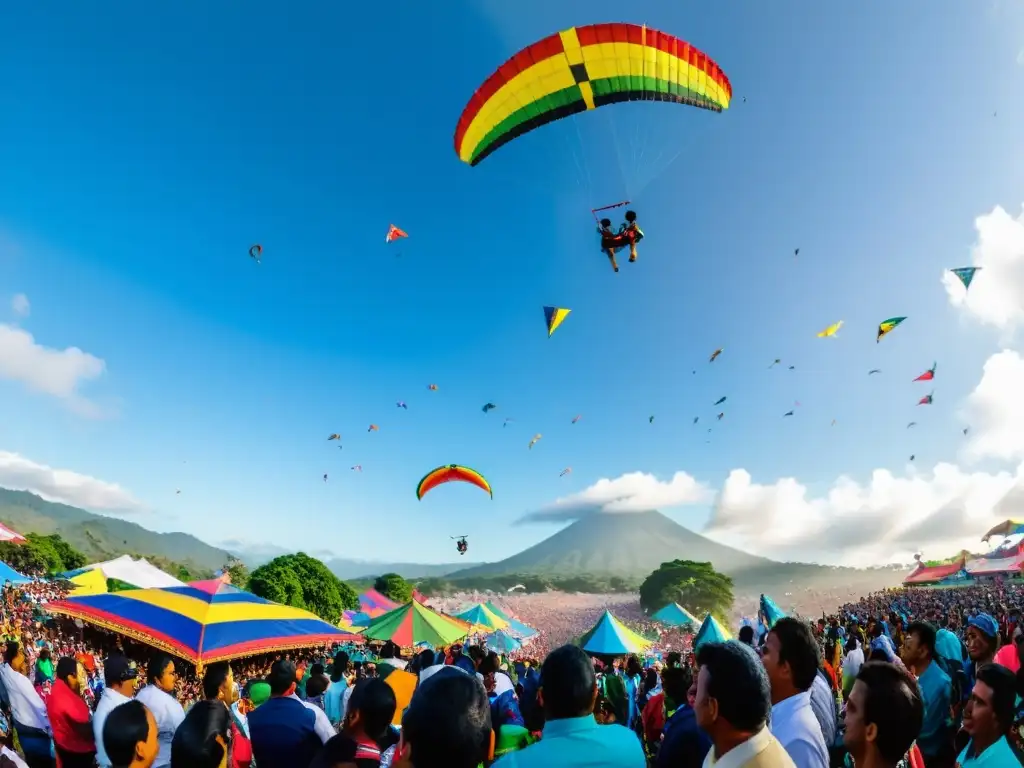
[629, 234]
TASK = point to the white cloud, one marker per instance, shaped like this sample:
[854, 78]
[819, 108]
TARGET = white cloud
[995, 410]
[56, 372]
[886, 520]
[20, 305]
[996, 296]
[632, 492]
[64, 486]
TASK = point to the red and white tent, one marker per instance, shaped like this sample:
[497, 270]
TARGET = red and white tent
[11, 536]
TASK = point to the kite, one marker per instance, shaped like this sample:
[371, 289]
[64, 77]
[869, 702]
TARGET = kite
[886, 326]
[577, 417]
[335, 436]
[831, 330]
[373, 428]
[394, 233]
[580, 69]
[721, 415]
[432, 387]
[256, 252]
[874, 370]
[401, 404]
[777, 361]
[787, 413]
[926, 400]
[720, 400]
[488, 407]
[358, 468]
[929, 374]
[565, 472]
[966, 275]
[533, 442]
[716, 353]
[554, 317]
[911, 424]
[449, 473]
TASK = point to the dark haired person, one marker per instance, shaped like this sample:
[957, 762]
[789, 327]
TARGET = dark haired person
[732, 705]
[70, 717]
[31, 723]
[987, 719]
[130, 736]
[371, 709]
[333, 699]
[219, 684]
[571, 736]
[936, 737]
[283, 730]
[684, 744]
[791, 659]
[160, 699]
[201, 740]
[120, 676]
[884, 713]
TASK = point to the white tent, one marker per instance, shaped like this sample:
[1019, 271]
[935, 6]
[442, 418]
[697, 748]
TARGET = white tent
[139, 573]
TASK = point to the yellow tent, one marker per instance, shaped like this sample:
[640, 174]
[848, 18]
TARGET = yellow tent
[91, 582]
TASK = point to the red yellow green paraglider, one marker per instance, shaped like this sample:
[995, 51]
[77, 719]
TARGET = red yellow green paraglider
[450, 473]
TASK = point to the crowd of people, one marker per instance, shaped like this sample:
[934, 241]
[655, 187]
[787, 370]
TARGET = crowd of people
[922, 678]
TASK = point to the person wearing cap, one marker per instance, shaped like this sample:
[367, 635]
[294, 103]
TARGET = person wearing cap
[121, 677]
[982, 638]
[70, 716]
[241, 744]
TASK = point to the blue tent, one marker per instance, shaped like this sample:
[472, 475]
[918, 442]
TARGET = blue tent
[770, 611]
[613, 638]
[674, 615]
[710, 632]
[503, 642]
[515, 627]
[9, 574]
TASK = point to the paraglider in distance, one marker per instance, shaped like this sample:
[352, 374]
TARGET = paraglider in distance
[721, 415]
[394, 233]
[577, 417]
[451, 473]
[401, 404]
[832, 330]
[966, 275]
[874, 370]
[517, 586]
[334, 436]
[911, 424]
[506, 421]
[929, 374]
[566, 471]
[256, 252]
[926, 400]
[325, 477]
[461, 545]
[650, 420]
[533, 442]
[432, 387]
[357, 468]
[775, 362]
[787, 413]
[715, 354]
[373, 428]
[554, 317]
[720, 400]
[488, 407]
[580, 69]
[886, 326]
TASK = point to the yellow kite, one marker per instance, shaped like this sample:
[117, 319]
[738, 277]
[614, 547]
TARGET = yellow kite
[831, 330]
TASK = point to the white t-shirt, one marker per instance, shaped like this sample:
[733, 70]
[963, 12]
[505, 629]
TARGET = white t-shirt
[13, 757]
[853, 662]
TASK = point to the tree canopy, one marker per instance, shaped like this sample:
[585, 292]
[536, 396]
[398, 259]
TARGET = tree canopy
[303, 582]
[393, 586]
[42, 554]
[698, 587]
[238, 572]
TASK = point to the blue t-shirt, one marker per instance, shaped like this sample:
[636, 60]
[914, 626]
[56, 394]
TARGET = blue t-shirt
[999, 755]
[937, 691]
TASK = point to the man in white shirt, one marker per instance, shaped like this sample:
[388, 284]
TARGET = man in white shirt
[28, 711]
[121, 677]
[791, 659]
[159, 699]
[322, 725]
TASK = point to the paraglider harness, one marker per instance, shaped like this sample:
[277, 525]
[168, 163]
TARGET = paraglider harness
[462, 546]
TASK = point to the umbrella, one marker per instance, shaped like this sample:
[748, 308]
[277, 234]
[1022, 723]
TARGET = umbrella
[415, 623]
[610, 636]
[482, 618]
[374, 604]
[674, 615]
[503, 642]
[202, 622]
[710, 632]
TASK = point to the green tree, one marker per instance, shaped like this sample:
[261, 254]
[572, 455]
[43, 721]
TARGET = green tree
[698, 587]
[48, 554]
[71, 558]
[238, 572]
[303, 582]
[393, 586]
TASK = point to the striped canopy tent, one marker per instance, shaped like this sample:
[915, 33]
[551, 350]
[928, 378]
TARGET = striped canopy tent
[482, 618]
[770, 611]
[11, 536]
[374, 604]
[354, 621]
[503, 641]
[674, 615]
[414, 623]
[9, 574]
[613, 638]
[710, 632]
[515, 626]
[202, 622]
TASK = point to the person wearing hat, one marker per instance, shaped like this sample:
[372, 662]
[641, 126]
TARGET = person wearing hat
[982, 638]
[256, 693]
[121, 677]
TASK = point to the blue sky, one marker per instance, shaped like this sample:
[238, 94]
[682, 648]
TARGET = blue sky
[144, 149]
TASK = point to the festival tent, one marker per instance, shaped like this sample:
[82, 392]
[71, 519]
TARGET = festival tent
[613, 638]
[9, 574]
[503, 642]
[354, 621]
[710, 632]
[89, 583]
[1005, 528]
[515, 626]
[414, 623]
[674, 615]
[770, 611]
[374, 604]
[987, 566]
[203, 622]
[139, 573]
[930, 574]
[482, 618]
[10, 536]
